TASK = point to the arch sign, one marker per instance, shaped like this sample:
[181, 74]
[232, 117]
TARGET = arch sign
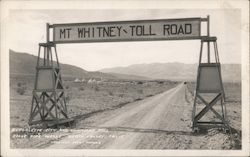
[48, 102]
[168, 29]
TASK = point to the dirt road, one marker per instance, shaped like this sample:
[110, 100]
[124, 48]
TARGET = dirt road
[145, 124]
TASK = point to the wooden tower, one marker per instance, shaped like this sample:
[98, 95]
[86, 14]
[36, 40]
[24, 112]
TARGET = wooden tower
[209, 83]
[48, 105]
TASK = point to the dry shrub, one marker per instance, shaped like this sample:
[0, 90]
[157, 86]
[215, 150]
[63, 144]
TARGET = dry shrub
[160, 82]
[121, 95]
[19, 84]
[67, 98]
[21, 90]
[111, 93]
[81, 88]
[140, 91]
[96, 88]
[139, 82]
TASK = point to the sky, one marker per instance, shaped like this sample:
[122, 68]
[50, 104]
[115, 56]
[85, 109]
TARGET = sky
[27, 28]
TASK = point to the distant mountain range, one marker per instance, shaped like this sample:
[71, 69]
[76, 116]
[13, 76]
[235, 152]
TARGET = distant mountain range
[174, 71]
[25, 64]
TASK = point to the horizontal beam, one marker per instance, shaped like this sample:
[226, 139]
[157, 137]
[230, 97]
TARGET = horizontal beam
[127, 40]
[207, 122]
[130, 21]
[201, 19]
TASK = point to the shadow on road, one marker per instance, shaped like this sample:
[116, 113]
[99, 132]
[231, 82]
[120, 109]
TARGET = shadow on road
[140, 130]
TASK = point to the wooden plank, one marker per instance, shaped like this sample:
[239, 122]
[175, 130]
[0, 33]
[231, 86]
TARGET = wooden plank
[52, 122]
[207, 108]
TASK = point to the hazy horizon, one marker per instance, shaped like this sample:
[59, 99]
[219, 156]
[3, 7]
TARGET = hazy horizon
[174, 62]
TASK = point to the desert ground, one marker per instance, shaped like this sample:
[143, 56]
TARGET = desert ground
[124, 114]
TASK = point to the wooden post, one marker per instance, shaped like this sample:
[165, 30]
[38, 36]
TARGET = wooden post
[208, 43]
[47, 32]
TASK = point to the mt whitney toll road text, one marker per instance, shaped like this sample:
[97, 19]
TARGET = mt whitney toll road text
[154, 30]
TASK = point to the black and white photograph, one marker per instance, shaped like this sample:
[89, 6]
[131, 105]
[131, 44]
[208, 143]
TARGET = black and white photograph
[123, 78]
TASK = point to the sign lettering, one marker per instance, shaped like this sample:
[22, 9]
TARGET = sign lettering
[127, 31]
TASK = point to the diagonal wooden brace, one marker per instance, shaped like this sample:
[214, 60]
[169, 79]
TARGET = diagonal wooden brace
[55, 104]
[43, 105]
[212, 109]
[208, 107]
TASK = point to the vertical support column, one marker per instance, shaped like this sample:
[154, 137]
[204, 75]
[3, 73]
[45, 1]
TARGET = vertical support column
[209, 81]
[197, 86]
[47, 32]
[48, 102]
[208, 43]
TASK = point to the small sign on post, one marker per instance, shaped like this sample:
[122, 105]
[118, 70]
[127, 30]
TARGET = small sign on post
[140, 30]
[210, 79]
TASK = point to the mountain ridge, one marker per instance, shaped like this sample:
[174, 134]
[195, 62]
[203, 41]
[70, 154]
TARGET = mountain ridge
[24, 64]
[175, 71]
